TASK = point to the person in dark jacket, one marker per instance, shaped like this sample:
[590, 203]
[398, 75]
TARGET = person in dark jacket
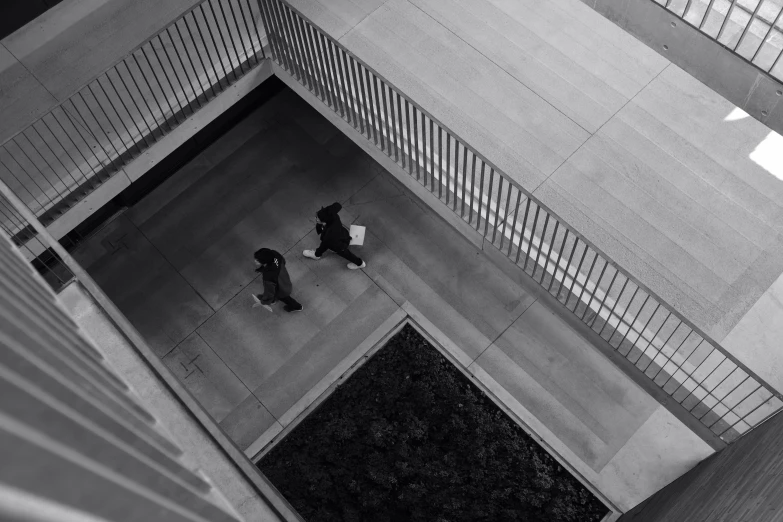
[277, 283]
[334, 237]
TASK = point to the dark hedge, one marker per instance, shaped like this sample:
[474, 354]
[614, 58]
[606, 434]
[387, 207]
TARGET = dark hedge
[409, 437]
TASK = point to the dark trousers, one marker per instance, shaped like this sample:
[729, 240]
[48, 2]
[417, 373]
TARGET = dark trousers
[290, 301]
[346, 254]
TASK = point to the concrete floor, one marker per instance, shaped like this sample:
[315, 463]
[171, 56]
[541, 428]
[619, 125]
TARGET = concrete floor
[673, 182]
[179, 265]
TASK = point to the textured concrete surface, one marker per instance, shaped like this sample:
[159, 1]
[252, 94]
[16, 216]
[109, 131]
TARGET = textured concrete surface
[180, 266]
[672, 181]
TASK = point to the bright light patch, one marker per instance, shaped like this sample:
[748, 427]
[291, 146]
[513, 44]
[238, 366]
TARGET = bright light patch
[736, 114]
[769, 155]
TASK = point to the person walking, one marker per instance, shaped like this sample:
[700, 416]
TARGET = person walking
[334, 237]
[277, 282]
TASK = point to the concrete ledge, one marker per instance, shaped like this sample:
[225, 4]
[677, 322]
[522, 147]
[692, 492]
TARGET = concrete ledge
[727, 73]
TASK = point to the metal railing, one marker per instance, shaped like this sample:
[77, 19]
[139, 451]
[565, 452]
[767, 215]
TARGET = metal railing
[79, 144]
[751, 28]
[690, 367]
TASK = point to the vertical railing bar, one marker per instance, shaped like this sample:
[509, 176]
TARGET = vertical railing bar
[307, 62]
[283, 38]
[198, 54]
[223, 40]
[75, 165]
[368, 101]
[568, 264]
[576, 275]
[687, 7]
[312, 59]
[100, 126]
[335, 78]
[481, 195]
[184, 71]
[408, 133]
[739, 418]
[168, 80]
[692, 375]
[559, 258]
[743, 381]
[769, 31]
[432, 156]
[106, 115]
[497, 207]
[75, 126]
[358, 98]
[387, 146]
[440, 162]
[549, 252]
[376, 109]
[8, 151]
[399, 123]
[489, 200]
[633, 319]
[641, 332]
[35, 198]
[541, 244]
[214, 44]
[775, 63]
[514, 225]
[675, 352]
[606, 296]
[255, 26]
[532, 236]
[249, 33]
[113, 164]
[587, 281]
[726, 20]
[464, 179]
[742, 419]
[154, 96]
[416, 141]
[750, 22]
[665, 343]
[448, 164]
[294, 45]
[345, 83]
[45, 160]
[314, 37]
[119, 96]
[522, 234]
[505, 218]
[230, 37]
[653, 338]
[70, 138]
[393, 127]
[595, 290]
[706, 14]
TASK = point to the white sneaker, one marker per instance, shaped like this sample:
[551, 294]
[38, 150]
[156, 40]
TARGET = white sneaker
[310, 254]
[353, 266]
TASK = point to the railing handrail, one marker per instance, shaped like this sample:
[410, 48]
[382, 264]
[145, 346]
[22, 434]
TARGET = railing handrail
[113, 65]
[519, 187]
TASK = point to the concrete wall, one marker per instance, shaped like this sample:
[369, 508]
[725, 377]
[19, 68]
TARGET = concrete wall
[730, 75]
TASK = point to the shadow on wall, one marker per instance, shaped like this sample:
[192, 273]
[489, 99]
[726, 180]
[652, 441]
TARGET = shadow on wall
[15, 14]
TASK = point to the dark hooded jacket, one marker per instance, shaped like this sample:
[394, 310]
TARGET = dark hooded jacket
[277, 282]
[333, 234]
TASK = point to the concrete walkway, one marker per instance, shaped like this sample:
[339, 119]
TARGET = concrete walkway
[179, 265]
[672, 181]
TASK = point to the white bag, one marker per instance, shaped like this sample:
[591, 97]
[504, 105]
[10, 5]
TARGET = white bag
[257, 303]
[357, 235]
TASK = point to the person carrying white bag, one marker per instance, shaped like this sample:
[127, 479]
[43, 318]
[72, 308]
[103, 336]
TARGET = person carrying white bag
[335, 237]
